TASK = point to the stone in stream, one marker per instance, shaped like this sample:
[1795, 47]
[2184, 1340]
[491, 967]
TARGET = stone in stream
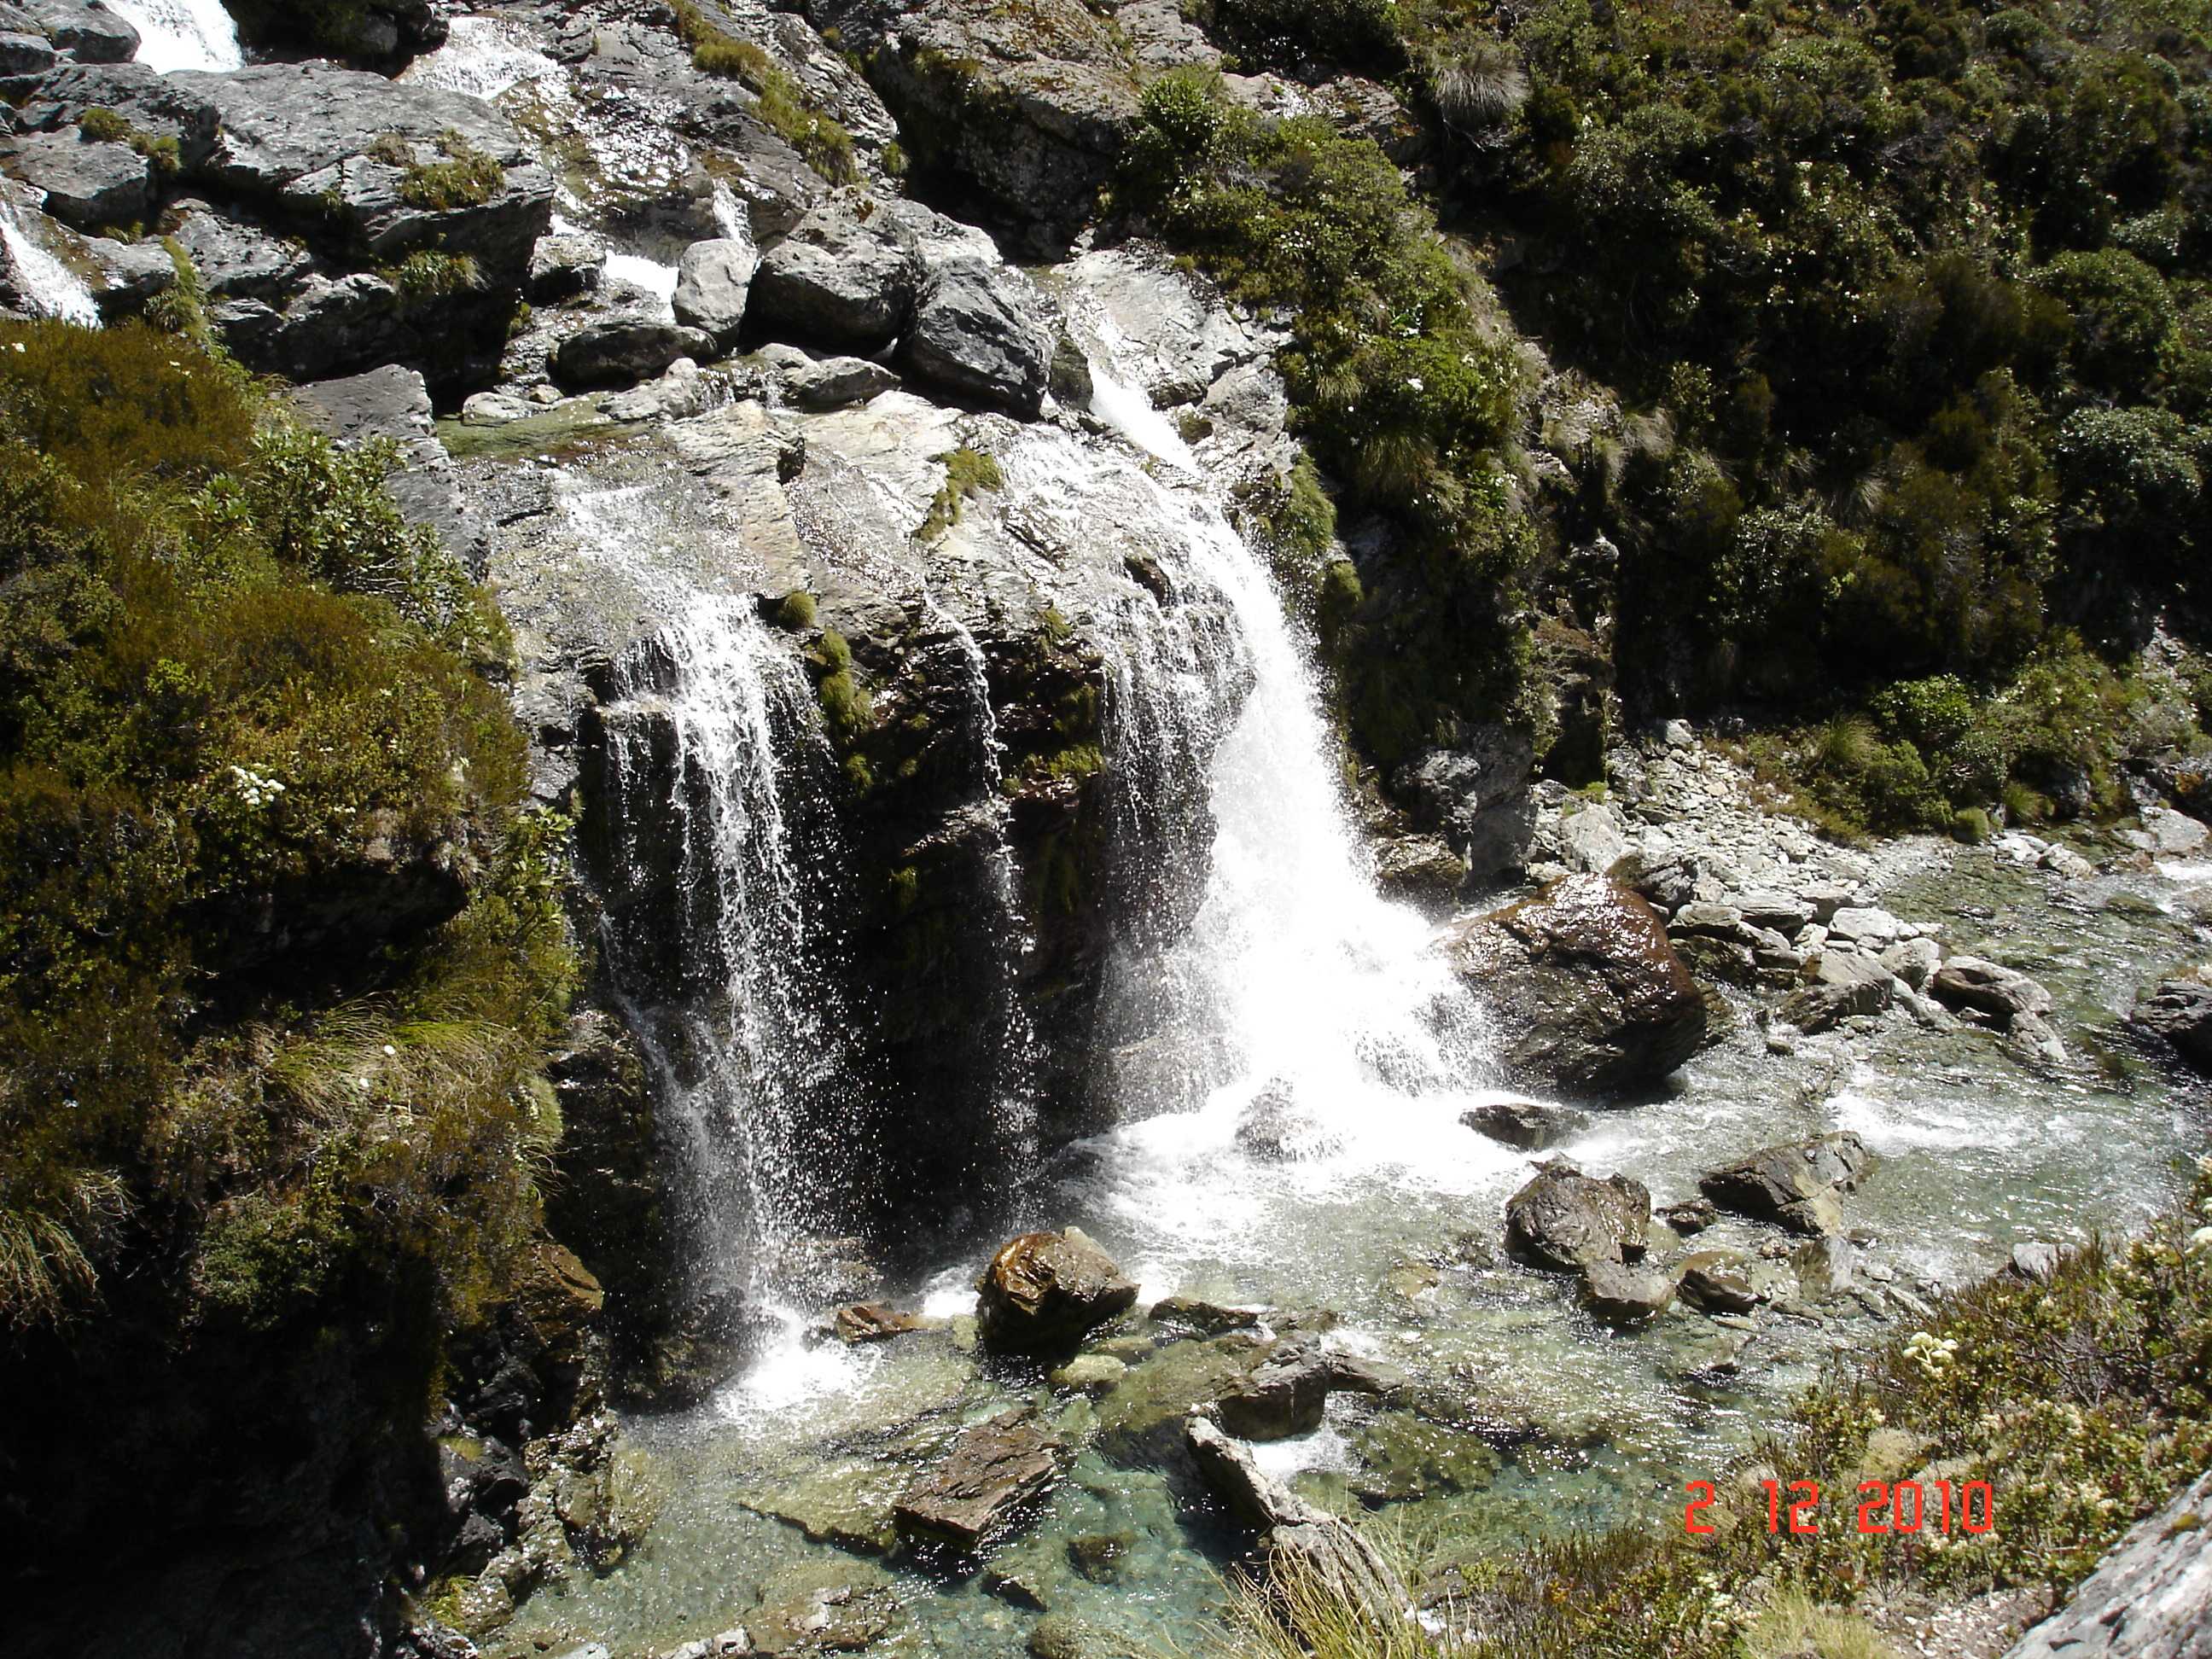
[1299, 1541]
[1044, 1292]
[874, 1322]
[712, 280]
[1799, 1184]
[1589, 995]
[2180, 1012]
[1825, 1268]
[625, 350]
[980, 332]
[818, 1605]
[1567, 1220]
[1275, 1129]
[835, 283]
[1530, 1125]
[1986, 987]
[1206, 1316]
[1691, 1215]
[1714, 1281]
[1090, 1371]
[997, 1470]
[1836, 984]
[1619, 1294]
[1287, 1392]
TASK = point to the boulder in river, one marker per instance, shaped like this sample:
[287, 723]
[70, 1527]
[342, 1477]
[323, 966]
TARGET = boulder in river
[836, 282]
[980, 333]
[1044, 1292]
[1799, 1184]
[1838, 984]
[1529, 1124]
[1620, 1294]
[1298, 1541]
[1206, 1317]
[2180, 1010]
[1565, 1219]
[1589, 995]
[1287, 1392]
[1714, 1281]
[1988, 988]
[1275, 1129]
[625, 350]
[996, 1470]
[874, 1322]
[713, 281]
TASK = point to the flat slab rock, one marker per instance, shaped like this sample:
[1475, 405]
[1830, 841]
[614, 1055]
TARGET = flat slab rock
[996, 1470]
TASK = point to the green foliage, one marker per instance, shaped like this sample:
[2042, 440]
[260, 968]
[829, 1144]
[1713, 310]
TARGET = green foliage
[100, 126]
[230, 674]
[463, 177]
[785, 107]
[966, 471]
[1292, 33]
[794, 610]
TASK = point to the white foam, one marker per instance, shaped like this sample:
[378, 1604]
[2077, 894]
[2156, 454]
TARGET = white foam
[182, 34]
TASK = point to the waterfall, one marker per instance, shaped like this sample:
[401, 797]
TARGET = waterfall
[47, 285]
[182, 34]
[482, 58]
[716, 850]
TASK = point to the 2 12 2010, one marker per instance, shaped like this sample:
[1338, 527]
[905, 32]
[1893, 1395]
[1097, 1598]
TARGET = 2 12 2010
[1907, 1506]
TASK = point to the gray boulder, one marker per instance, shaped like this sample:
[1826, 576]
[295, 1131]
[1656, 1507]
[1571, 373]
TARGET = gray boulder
[565, 264]
[995, 1471]
[394, 403]
[713, 281]
[1619, 1294]
[2150, 1598]
[91, 34]
[1799, 1184]
[87, 185]
[1838, 984]
[1476, 794]
[160, 105]
[25, 54]
[1044, 1292]
[979, 332]
[237, 259]
[1827, 1267]
[1567, 1220]
[835, 281]
[826, 383]
[1987, 988]
[1287, 1392]
[1527, 1124]
[2180, 1012]
[621, 350]
[1589, 996]
[1714, 1281]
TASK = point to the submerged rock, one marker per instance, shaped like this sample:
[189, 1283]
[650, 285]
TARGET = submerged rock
[1530, 1125]
[1567, 1220]
[873, 1322]
[1590, 997]
[1714, 1281]
[1275, 1129]
[1046, 1291]
[1799, 1184]
[1206, 1316]
[996, 1470]
[1619, 1294]
[825, 1605]
[1286, 1393]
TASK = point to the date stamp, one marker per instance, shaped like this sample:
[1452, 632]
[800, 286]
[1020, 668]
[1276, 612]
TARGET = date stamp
[1903, 1506]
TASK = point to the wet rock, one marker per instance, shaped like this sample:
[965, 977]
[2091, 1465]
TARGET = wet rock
[1987, 988]
[89, 33]
[2033, 1040]
[1288, 1393]
[1476, 795]
[87, 185]
[1046, 1291]
[834, 281]
[825, 1605]
[1691, 1215]
[624, 350]
[1825, 1268]
[564, 266]
[2180, 1012]
[1530, 1125]
[1407, 1457]
[997, 1470]
[1296, 1537]
[1140, 1422]
[1090, 1371]
[1206, 1316]
[1589, 995]
[874, 1322]
[1275, 1129]
[713, 280]
[979, 332]
[1567, 1220]
[683, 390]
[1839, 985]
[1059, 1635]
[1865, 926]
[2168, 834]
[1799, 1184]
[732, 1644]
[1914, 961]
[1714, 1281]
[1423, 869]
[493, 409]
[1619, 1294]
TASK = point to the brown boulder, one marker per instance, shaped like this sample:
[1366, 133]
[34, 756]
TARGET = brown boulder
[996, 1470]
[1589, 995]
[1565, 1219]
[1044, 1292]
[1798, 1184]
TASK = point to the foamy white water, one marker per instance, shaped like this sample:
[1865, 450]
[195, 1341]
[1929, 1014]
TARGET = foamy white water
[182, 34]
[51, 288]
[483, 57]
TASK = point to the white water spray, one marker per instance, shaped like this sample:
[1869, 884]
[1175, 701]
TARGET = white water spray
[47, 286]
[182, 34]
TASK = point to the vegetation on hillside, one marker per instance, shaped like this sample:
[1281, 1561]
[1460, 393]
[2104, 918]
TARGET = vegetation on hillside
[1880, 342]
[280, 952]
[2083, 1403]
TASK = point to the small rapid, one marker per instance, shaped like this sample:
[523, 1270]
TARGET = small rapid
[49, 287]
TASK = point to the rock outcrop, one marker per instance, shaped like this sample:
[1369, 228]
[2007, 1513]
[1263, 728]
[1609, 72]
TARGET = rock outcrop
[2150, 1598]
[2180, 1010]
[1589, 995]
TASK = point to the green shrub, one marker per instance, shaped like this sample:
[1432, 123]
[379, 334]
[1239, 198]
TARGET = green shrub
[431, 274]
[784, 106]
[465, 176]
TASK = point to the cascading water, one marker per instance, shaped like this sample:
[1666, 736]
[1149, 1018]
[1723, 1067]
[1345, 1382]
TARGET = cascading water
[47, 286]
[718, 860]
[182, 34]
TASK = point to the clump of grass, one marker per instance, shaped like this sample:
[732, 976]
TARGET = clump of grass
[794, 611]
[432, 274]
[966, 470]
[465, 177]
[784, 106]
[101, 125]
